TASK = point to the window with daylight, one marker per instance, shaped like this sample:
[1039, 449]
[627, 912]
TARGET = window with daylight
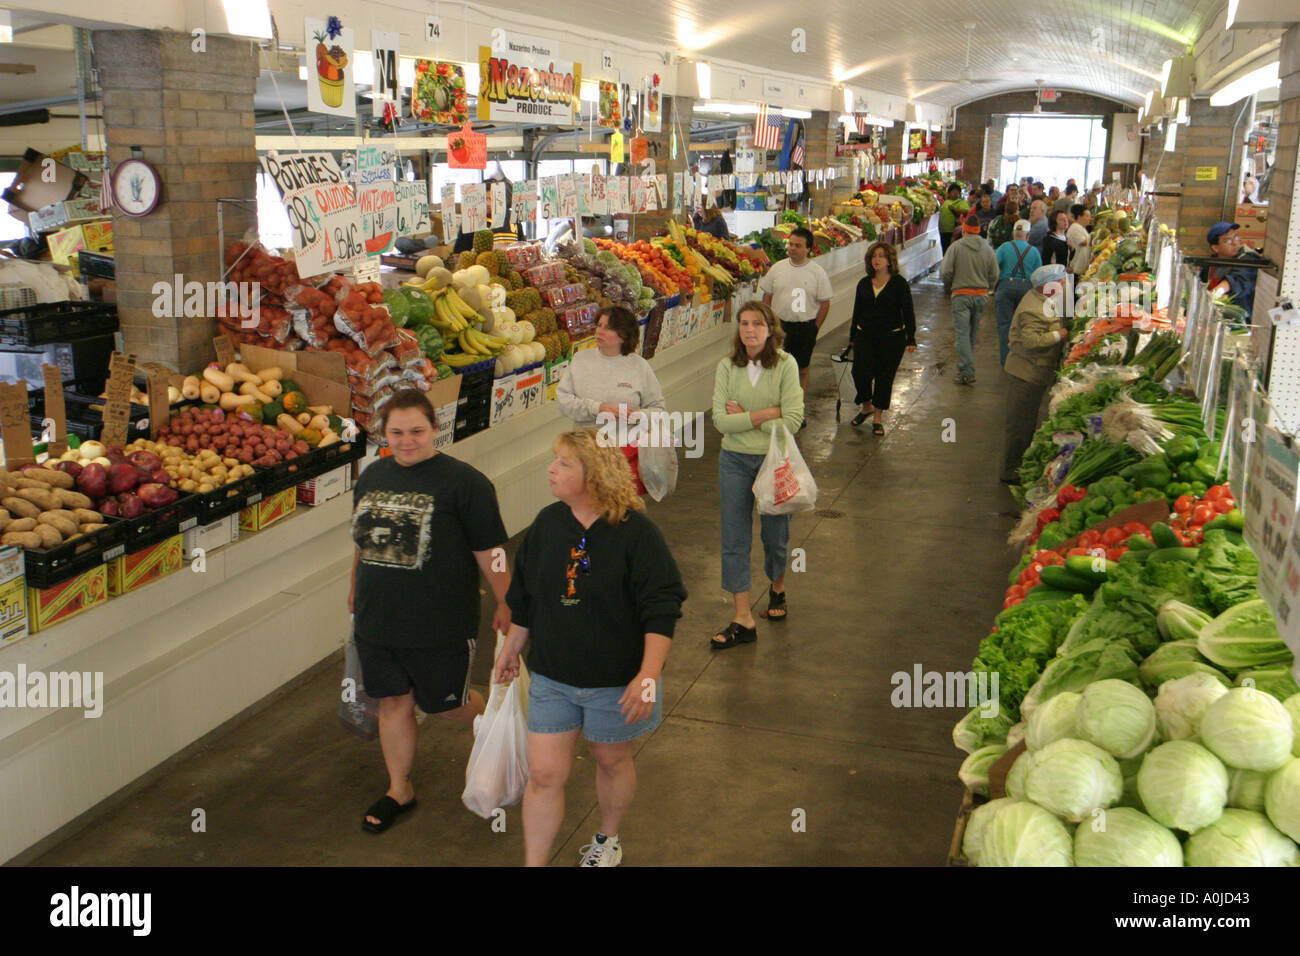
[1053, 149]
[10, 227]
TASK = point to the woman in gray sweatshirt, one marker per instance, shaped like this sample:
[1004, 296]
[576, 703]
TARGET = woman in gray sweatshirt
[610, 380]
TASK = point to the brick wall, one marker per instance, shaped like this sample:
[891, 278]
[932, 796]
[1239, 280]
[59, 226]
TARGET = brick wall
[192, 116]
[967, 139]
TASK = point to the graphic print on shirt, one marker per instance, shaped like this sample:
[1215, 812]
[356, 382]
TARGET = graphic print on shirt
[392, 529]
[577, 559]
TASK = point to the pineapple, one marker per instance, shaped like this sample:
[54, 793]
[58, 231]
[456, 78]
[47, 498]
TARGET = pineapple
[503, 264]
[486, 259]
[518, 302]
[482, 240]
[515, 279]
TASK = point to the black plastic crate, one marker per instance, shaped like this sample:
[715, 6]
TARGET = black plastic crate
[55, 565]
[161, 523]
[81, 419]
[96, 265]
[288, 474]
[48, 322]
[465, 427]
[226, 500]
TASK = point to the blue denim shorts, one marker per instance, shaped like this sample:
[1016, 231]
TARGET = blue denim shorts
[555, 708]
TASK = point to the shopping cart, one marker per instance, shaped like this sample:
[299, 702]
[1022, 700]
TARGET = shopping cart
[845, 361]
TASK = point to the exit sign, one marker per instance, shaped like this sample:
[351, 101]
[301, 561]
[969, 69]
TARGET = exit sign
[1051, 96]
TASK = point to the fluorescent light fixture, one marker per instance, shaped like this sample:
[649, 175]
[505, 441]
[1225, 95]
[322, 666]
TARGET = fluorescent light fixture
[1171, 138]
[1232, 14]
[726, 109]
[6, 27]
[796, 114]
[704, 80]
[1253, 82]
[248, 18]
[1183, 114]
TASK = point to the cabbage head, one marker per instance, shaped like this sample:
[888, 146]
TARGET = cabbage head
[1052, 720]
[1282, 799]
[1292, 705]
[1123, 836]
[1023, 834]
[1182, 702]
[1015, 783]
[1117, 717]
[1248, 728]
[1183, 785]
[1240, 838]
[972, 841]
[1071, 778]
[1246, 789]
[974, 772]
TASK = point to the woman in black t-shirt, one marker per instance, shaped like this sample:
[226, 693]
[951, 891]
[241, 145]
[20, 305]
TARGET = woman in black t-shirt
[424, 526]
[882, 328]
[597, 594]
[1056, 251]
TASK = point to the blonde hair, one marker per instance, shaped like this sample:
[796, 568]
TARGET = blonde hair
[606, 473]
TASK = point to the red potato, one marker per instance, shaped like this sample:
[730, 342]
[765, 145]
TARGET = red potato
[301, 447]
[192, 444]
[130, 505]
[259, 449]
[108, 507]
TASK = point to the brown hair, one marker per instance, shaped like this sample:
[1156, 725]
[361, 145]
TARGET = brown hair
[408, 398]
[890, 253]
[710, 214]
[767, 358]
[624, 324]
[605, 473]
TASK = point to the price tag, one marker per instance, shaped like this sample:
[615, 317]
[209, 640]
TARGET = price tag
[567, 196]
[15, 424]
[349, 432]
[473, 202]
[225, 350]
[636, 194]
[117, 406]
[530, 390]
[158, 404]
[599, 201]
[55, 424]
[1278, 508]
[550, 197]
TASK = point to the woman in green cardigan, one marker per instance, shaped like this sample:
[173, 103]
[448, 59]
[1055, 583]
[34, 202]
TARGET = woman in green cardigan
[756, 387]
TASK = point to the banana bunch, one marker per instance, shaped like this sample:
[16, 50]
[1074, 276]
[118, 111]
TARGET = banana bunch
[451, 314]
[717, 273]
[474, 342]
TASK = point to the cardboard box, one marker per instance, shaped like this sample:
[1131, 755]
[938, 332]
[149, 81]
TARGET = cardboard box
[322, 376]
[554, 372]
[323, 488]
[32, 188]
[268, 511]
[446, 415]
[502, 404]
[443, 396]
[209, 537]
[57, 603]
[530, 389]
[133, 571]
[1253, 222]
[13, 596]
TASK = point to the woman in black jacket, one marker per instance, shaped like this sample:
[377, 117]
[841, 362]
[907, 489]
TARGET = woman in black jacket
[1055, 249]
[883, 327]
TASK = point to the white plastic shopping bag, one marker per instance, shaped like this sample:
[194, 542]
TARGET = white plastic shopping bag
[358, 711]
[656, 460]
[784, 484]
[498, 764]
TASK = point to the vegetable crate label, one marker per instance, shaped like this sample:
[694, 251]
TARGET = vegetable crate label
[787, 485]
[324, 218]
[13, 596]
[57, 603]
[530, 390]
[132, 571]
[503, 398]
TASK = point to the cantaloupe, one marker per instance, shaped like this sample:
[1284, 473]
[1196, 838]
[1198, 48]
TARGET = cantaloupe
[425, 263]
[439, 275]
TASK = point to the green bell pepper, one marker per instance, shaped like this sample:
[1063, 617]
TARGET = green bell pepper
[1198, 488]
[1181, 448]
[1176, 488]
[1151, 494]
[1150, 472]
[1073, 517]
[1052, 535]
[1097, 505]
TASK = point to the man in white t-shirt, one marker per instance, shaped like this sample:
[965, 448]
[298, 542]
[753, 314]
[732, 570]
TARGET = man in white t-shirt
[1079, 239]
[799, 292]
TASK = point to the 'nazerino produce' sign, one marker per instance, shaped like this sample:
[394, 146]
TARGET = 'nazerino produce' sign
[524, 82]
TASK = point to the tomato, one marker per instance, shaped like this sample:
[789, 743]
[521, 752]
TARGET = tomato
[1089, 539]
[1135, 527]
[1016, 591]
[1010, 602]
[1113, 536]
[1185, 539]
[1202, 514]
[1224, 505]
[1216, 492]
[1114, 554]
[1073, 551]
[1184, 503]
[1045, 557]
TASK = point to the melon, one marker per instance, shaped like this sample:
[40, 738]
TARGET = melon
[528, 332]
[425, 263]
[439, 275]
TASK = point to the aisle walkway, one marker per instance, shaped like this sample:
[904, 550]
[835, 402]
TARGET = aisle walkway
[906, 565]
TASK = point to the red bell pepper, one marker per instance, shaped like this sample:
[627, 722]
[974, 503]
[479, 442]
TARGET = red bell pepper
[1047, 516]
[1069, 493]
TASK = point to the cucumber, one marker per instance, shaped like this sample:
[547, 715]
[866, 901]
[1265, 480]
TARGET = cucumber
[1164, 536]
[1042, 594]
[1174, 554]
[1139, 542]
[1062, 579]
[1085, 566]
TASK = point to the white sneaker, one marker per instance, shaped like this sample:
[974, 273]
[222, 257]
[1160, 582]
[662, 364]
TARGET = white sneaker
[609, 853]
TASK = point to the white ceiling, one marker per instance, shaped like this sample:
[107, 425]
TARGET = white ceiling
[1112, 48]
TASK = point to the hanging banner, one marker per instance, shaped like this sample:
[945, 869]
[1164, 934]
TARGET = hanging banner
[376, 197]
[387, 88]
[323, 214]
[527, 83]
[467, 149]
[473, 207]
[609, 110]
[412, 207]
[330, 86]
[651, 105]
[599, 202]
[450, 219]
[438, 95]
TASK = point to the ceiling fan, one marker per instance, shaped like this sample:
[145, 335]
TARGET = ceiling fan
[966, 78]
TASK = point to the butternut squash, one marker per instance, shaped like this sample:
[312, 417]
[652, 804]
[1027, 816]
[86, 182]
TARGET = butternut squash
[230, 401]
[272, 373]
[219, 378]
[287, 423]
[273, 388]
[190, 387]
[249, 388]
[209, 394]
[240, 373]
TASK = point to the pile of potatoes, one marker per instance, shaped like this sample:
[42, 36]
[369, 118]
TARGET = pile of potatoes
[39, 509]
[200, 472]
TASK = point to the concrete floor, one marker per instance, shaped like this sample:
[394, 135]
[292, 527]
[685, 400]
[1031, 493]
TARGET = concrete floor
[906, 564]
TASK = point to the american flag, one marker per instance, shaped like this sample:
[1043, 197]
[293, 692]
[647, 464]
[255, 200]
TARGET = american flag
[767, 128]
[861, 123]
[796, 156]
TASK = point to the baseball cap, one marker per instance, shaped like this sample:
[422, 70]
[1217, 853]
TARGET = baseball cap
[1218, 229]
[1022, 225]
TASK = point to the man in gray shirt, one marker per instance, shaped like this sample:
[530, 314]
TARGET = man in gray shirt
[1037, 224]
[971, 269]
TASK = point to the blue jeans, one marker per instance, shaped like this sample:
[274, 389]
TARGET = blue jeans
[736, 474]
[966, 312]
[557, 708]
[1005, 300]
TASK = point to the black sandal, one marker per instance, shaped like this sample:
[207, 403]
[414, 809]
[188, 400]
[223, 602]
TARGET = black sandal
[859, 418]
[386, 810]
[735, 633]
[877, 428]
[775, 602]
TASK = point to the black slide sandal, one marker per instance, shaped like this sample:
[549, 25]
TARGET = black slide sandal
[877, 429]
[735, 633]
[775, 602]
[386, 810]
[859, 418]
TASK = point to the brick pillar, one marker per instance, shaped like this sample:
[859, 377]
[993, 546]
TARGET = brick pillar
[1282, 207]
[991, 168]
[1207, 141]
[192, 115]
[818, 153]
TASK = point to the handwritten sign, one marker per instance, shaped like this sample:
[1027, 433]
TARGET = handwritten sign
[567, 196]
[412, 207]
[582, 186]
[620, 196]
[377, 198]
[498, 203]
[473, 207]
[323, 214]
[636, 194]
[550, 197]
[117, 404]
[54, 409]
[450, 220]
[503, 399]
[524, 201]
[225, 350]
[530, 390]
[15, 424]
[599, 202]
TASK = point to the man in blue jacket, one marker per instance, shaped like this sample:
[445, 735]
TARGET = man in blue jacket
[1226, 244]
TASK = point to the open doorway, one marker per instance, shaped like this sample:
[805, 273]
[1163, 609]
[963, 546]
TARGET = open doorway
[1053, 149]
